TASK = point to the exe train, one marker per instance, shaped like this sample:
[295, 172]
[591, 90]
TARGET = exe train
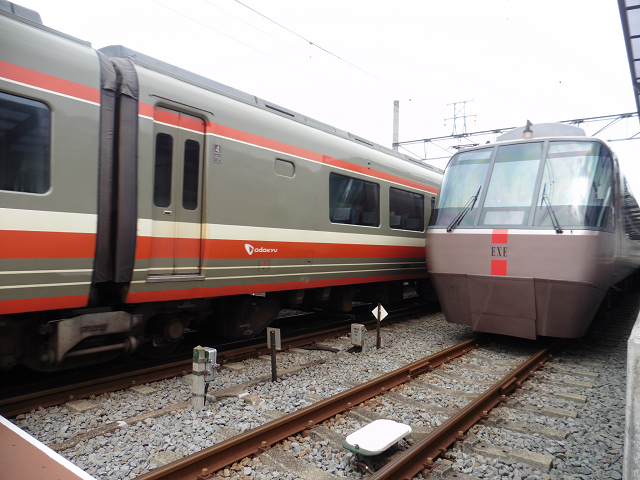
[529, 233]
[138, 199]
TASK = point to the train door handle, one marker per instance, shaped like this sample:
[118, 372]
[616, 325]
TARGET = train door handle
[168, 212]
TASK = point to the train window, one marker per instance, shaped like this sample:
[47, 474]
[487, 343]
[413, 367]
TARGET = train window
[576, 186]
[25, 145]
[512, 184]
[162, 180]
[630, 213]
[463, 180]
[353, 201]
[406, 210]
[190, 175]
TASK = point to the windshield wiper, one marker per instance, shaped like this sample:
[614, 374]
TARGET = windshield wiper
[469, 206]
[552, 214]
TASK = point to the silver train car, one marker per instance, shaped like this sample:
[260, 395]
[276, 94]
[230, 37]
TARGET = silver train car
[529, 233]
[138, 199]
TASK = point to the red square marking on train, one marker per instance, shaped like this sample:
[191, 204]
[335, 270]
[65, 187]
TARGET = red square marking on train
[500, 235]
[499, 267]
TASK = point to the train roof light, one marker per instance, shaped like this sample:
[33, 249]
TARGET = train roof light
[539, 130]
[527, 131]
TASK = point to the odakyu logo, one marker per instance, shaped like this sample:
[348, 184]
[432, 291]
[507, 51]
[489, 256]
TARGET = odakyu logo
[250, 249]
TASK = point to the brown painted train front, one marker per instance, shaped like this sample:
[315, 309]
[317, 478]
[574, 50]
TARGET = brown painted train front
[519, 262]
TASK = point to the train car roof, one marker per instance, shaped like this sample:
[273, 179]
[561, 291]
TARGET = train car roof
[33, 19]
[120, 51]
[23, 12]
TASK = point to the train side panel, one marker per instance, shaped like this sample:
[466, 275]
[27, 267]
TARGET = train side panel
[134, 201]
[264, 194]
[628, 252]
[49, 103]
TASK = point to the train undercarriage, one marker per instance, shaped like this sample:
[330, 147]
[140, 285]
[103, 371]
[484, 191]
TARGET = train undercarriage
[59, 340]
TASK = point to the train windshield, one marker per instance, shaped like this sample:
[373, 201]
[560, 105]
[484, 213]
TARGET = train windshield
[512, 183]
[464, 177]
[554, 184]
[578, 181]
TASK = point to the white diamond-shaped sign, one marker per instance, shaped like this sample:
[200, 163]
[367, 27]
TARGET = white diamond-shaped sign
[383, 312]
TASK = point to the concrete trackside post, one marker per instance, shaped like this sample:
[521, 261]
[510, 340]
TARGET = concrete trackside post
[204, 365]
[631, 466]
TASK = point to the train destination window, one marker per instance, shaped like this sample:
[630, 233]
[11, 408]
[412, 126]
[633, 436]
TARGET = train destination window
[512, 184]
[190, 175]
[576, 186]
[25, 145]
[467, 171]
[162, 179]
[353, 201]
[406, 210]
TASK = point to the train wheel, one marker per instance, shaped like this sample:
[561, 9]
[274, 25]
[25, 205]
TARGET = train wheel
[341, 298]
[162, 336]
[244, 316]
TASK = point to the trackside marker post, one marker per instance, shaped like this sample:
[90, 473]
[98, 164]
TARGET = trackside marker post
[380, 313]
[358, 336]
[273, 341]
[204, 364]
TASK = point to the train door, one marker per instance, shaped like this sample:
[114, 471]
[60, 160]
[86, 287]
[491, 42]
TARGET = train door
[177, 193]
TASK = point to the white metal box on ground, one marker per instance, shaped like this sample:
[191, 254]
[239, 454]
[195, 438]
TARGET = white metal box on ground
[357, 334]
[376, 437]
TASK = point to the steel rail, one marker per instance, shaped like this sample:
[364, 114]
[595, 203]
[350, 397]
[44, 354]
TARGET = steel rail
[12, 406]
[422, 453]
[55, 396]
[203, 464]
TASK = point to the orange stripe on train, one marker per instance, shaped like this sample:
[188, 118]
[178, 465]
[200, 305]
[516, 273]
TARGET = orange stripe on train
[49, 82]
[21, 244]
[253, 139]
[149, 247]
[42, 304]
[499, 236]
[316, 157]
[183, 121]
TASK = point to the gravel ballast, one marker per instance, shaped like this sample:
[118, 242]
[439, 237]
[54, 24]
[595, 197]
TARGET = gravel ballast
[118, 435]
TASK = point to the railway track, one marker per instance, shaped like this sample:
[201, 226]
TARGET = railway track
[565, 422]
[428, 443]
[12, 404]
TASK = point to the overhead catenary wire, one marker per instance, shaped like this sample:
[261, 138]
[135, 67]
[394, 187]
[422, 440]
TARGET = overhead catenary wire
[613, 119]
[217, 31]
[293, 65]
[247, 23]
[283, 27]
[313, 44]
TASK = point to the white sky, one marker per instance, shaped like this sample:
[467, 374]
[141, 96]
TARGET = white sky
[542, 60]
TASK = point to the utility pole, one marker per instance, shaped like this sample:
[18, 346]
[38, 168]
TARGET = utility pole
[396, 123]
